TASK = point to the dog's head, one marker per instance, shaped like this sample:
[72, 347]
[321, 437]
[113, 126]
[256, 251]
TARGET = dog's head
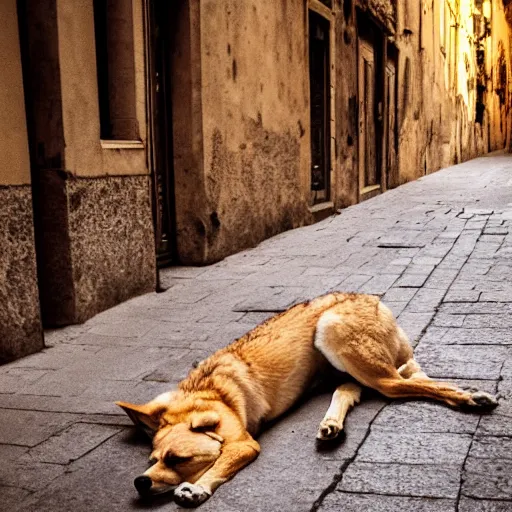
[188, 434]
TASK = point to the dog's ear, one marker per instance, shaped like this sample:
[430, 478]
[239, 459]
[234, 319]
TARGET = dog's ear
[207, 420]
[145, 416]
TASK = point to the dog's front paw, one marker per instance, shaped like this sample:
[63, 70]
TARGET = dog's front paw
[483, 400]
[329, 429]
[190, 495]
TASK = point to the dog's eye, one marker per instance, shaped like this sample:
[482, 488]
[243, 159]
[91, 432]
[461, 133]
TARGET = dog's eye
[173, 460]
[152, 461]
[203, 428]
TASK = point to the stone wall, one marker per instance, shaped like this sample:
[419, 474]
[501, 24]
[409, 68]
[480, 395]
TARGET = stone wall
[20, 324]
[98, 245]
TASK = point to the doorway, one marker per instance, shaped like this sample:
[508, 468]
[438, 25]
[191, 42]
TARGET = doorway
[319, 80]
[390, 128]
[160, 151]
[369, 172]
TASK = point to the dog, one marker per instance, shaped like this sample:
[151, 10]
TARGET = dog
[204, 432]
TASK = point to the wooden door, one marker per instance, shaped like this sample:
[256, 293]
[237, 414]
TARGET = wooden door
[390, 126]
[369, 175]
[319, 80]
[160, 135]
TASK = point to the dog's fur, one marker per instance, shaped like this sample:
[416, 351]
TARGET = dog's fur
[204, 432]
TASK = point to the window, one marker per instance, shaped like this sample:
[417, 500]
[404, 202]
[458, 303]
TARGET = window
[113, 26]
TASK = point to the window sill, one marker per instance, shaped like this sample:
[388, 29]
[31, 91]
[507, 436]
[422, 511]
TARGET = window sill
[369, 189]
[122, 144]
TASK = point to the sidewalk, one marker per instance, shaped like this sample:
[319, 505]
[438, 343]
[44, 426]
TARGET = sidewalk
[437, 250]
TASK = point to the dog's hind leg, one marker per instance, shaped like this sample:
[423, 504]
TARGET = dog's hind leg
[345, 397]
[442, 391]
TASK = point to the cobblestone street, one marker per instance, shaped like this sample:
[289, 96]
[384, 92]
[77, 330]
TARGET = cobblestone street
[439, 253]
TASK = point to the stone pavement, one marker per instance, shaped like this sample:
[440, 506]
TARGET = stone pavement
[438, 251]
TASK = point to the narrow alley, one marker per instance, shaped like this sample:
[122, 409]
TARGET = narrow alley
[437, 250]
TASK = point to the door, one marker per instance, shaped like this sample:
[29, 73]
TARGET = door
[390, 127]
[369, 175]
[160, 132]
[319, 80]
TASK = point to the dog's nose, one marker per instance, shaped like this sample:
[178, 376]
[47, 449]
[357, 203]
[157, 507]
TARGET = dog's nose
[143, 484]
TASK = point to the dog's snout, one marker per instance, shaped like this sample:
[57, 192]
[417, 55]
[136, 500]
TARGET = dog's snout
[143, 484]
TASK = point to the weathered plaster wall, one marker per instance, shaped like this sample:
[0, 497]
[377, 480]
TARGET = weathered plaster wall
[14, 163]
[346, 182]
[255, 126]
[500, 98]
[438, 127]
[84, 155]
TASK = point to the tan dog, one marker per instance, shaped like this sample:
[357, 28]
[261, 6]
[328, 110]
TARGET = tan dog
[204, 432]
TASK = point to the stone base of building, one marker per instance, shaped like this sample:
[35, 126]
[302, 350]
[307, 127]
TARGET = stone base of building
[20, 322]
[98, 247]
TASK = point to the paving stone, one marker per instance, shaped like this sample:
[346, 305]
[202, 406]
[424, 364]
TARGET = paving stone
[354, 282]
[13, 380]
[399, 294]
[445, 320]
[478, 211]
[346, 502]
[481, 321]
[472, 505]
[489, 386]
[495, 425]
[29, 428]
[461, 361]
[65, 404]
[431, 481]
[404, 448]
[475, 224]
[31, 476]
[12, 496]
[495, 231]
[441, 278]
[70, 444]
[423, 416]
[125, 328]
[462, 296]
[171, 374]
[414, 324]
[487, 479]
[396, 307]
[489, 447]
[486, 336]
[55, 358]
[498, 296]
[449, 235]
[401, 261]
[411, 281]
[476, 308]
[427, 260]
[425, 300]
[168, 274]
[78, 488]
[256, 318]
[380, 284]
[433, 334]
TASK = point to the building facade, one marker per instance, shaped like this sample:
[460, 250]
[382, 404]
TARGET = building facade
[140, 133]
